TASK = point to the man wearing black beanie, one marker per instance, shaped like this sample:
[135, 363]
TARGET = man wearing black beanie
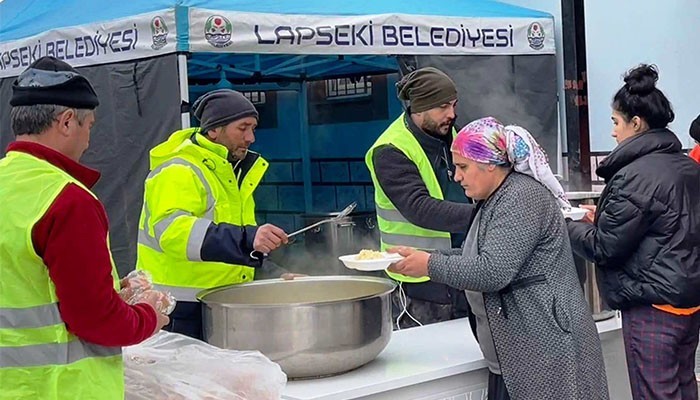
[418, 203]
[197, 228]
[62, 316]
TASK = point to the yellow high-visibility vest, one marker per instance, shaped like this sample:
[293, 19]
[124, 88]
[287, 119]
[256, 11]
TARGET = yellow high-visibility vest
[39, 358]
[394, 229]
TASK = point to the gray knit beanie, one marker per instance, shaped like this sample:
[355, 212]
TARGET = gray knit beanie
[220, 107]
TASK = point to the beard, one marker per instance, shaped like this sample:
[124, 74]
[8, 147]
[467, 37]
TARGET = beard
[237, 155]
[431, 127]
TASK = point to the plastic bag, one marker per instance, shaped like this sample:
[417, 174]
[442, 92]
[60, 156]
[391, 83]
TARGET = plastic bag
[176, 367]
[138, 285]
[164, 301]
[135, 283]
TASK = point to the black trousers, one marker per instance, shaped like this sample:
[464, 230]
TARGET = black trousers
[186, 319]
[497, 387]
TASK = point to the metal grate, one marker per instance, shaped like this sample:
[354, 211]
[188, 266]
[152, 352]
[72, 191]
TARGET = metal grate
[257, 97]
[348, 88]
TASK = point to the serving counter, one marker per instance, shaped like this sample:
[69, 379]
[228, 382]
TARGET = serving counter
[440, 362]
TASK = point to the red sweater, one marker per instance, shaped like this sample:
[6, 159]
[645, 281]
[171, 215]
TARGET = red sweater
[71, 238]
[695, 153]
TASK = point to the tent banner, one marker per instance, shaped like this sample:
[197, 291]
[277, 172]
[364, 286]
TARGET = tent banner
[242, 32]
[140, 36]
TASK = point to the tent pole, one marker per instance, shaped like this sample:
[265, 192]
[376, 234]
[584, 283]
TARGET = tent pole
[305, 145]
[184, 89]
[560, 150]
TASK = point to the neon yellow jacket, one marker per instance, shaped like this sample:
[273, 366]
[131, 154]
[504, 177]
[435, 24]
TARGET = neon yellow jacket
[192, 193]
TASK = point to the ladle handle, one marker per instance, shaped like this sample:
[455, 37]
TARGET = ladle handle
[257, 255]
[310, 226]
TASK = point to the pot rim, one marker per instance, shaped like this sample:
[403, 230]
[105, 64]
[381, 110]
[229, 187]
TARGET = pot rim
[201, 295]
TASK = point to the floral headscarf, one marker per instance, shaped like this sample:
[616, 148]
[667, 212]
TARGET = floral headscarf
[487, 141]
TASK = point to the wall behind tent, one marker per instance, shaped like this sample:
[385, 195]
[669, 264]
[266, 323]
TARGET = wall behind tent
[621, 34]
[552, 7]
[519, 90]
[339, 175]
[139, 107]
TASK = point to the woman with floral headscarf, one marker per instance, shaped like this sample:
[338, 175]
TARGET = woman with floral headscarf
[533, 323]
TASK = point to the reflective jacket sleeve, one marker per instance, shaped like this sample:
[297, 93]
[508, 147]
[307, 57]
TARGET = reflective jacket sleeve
[618, 230]
[180, 219]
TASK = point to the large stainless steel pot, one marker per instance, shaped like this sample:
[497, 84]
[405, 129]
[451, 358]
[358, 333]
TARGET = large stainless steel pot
[310, 326]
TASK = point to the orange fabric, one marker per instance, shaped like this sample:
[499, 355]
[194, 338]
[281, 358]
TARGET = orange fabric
[677, 311]
[695, 153]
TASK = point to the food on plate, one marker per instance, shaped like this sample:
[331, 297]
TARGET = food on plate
[369, 255]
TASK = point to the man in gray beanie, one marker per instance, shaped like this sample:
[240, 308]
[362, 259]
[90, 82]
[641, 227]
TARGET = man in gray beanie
[197, 228]
[418, 203]
[217, 109]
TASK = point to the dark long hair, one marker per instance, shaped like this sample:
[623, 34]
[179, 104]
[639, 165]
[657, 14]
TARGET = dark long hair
[640, 97]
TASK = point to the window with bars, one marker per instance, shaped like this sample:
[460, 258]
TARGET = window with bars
[346, 88]
[330, 101]
[257, 97]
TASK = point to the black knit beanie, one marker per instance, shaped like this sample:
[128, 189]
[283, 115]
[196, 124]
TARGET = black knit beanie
[49, 80]
[220, 107]
[695, 129]
[426, 88]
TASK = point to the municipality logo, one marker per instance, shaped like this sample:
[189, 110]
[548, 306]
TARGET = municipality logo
[217, 31]
[535, 36]
[159, 33]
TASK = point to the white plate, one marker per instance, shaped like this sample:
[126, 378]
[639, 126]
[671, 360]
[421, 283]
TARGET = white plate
[575, 213]
[378, 264]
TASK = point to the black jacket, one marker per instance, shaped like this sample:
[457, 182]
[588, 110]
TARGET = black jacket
[646, 239]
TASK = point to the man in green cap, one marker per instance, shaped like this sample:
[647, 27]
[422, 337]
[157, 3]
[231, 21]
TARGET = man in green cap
[418, 203]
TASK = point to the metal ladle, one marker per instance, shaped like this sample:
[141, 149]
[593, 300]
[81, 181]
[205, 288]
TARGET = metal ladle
[344, 213]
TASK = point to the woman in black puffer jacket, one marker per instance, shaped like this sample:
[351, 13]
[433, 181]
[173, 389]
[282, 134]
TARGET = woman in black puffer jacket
[645, 240]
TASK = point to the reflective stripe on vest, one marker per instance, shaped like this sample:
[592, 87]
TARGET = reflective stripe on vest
[31, 317]
[419, 242]
[199, 230]
[53, 354]
[391, 215]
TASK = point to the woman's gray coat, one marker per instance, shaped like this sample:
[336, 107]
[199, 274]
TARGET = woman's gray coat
[545, 338]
